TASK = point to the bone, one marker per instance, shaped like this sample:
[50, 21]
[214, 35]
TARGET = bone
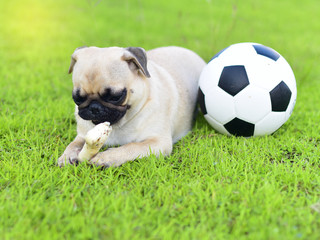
[95, 139]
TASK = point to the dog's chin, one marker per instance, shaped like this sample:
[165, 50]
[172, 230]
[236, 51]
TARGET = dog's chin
[96, 122]
[112, 121]
[112, 117]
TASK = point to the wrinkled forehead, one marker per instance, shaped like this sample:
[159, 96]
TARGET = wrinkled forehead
[97, 69]
[95, 59]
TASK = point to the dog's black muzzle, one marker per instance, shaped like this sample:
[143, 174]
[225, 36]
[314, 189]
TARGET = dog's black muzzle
[99, 113]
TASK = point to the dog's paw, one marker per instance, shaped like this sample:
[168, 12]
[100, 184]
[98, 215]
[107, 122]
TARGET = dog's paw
[67, 160]
[103, 159]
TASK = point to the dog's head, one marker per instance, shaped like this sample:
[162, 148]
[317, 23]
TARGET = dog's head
[107, 81]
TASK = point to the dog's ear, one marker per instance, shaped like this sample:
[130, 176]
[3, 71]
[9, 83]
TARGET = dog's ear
[137, 58]
[74, 59]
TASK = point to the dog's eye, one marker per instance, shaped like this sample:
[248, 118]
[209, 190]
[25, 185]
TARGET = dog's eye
[114, 98]
[77, 98]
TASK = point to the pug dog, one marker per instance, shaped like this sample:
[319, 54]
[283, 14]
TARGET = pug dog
[149, 99]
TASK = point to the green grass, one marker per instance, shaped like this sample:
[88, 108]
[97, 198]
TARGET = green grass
[213, 186]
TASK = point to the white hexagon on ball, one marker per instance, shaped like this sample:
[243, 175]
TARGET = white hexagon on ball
[247, 89]
[252, 104]
[220, 105]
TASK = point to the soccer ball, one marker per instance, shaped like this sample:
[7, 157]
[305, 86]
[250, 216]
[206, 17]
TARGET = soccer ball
[247, 89]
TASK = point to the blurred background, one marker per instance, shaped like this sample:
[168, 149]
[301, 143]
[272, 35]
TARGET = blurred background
[269, 195]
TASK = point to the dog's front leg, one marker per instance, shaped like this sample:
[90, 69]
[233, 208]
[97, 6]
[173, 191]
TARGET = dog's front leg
[70, 155]
[129, 152]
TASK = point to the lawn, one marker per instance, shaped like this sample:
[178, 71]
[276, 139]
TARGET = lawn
[212, 186]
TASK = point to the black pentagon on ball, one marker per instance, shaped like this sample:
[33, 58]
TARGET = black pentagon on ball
[240, 127]
[280, 97]
[202, 102]
[267, 52]
[233, 79]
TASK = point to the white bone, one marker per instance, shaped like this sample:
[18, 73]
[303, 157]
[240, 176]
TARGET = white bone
[95, 139]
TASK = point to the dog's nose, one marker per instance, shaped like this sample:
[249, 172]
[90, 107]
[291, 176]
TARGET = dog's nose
[95, 108]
